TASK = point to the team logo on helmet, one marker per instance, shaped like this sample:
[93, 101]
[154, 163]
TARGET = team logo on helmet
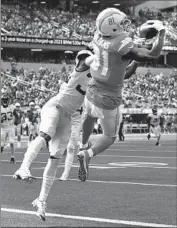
[111, 22]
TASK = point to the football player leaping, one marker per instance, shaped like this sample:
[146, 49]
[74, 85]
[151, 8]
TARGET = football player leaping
[7, 124]
[113, 50]
[55, 126]
[153, 121]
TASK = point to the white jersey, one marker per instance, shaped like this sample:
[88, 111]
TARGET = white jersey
[7, 117]
[155, 119]
[71, 95]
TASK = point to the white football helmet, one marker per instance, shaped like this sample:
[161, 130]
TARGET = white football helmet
[111, 22]
[82, 54]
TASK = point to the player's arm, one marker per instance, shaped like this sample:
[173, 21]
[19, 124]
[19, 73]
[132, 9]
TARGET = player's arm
[28, 117]
[141, 54]
[14, 114]
[23, 118]
[130, 70]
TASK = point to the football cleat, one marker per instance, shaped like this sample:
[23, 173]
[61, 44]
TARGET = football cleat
[63, 177]
[40, 207]
[24, 174]
[148, 136]
[12, 160]
[83, 158]
[157, 144]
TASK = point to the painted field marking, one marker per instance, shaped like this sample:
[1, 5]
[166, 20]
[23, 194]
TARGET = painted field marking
[119, 156]
[101, 220]
[113, 165]
[147, 151]
[138, 164]
[110, 149]
[110, 182]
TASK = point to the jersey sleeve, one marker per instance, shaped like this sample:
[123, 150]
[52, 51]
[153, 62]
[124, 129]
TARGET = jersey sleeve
[125, 45]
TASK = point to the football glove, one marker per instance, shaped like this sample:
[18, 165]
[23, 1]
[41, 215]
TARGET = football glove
[156, 24]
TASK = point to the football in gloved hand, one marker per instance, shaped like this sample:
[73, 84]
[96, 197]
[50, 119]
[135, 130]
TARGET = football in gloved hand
[150, 29]
[148, 33]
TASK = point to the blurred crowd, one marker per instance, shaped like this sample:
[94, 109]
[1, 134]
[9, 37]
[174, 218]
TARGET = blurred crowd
[25, 86]
[32, 20]
[147, 90]
[140, 91]
[36, 21]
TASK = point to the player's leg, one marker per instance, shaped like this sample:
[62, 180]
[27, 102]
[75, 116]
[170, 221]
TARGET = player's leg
[30, 137]
[4, 136]
[18, 130]
[11, 141]
[49, 119]
[150, 132]
[73, 145]
[62, 134]
[99, 143]
[88, 123]
[158, 135]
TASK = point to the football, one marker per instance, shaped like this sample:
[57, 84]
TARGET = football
[148, 33]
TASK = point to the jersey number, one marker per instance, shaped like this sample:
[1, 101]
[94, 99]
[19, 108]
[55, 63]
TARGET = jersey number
[100, 56]
[6, 116]
[78, 88]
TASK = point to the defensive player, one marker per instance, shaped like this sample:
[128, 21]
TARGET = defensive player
[153, 121]
[32, 117]
[113, 50]
[7, 124]
[19, 119]
[55, 126]
[73, 144]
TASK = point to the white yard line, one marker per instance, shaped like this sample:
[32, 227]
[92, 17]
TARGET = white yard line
[93, 219]
[112, 182]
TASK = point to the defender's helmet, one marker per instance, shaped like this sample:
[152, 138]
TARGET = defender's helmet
[32, 105]
[154, 111]
[111, 22]
[82, 55]
[17, 106]
[5, 99]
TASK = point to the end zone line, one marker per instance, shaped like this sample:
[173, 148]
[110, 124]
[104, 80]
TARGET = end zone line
[101, 220]
[110, 182]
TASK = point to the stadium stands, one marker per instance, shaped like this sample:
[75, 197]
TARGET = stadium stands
[34, 21]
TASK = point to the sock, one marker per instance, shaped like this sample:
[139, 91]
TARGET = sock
[12, 149]
[90, 152]
[84, 146]
[32, 151]
[68, 162]
[30, 137]
[48, 178]
[87, 128]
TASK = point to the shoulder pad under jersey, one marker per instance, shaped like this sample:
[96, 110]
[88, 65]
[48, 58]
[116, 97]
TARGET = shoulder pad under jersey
[123, 44]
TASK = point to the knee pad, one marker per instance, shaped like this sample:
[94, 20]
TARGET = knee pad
[57, 154]
[72, 146]
[45, 136]
[112, 138]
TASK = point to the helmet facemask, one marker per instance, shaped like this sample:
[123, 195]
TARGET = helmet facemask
[5, 101]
